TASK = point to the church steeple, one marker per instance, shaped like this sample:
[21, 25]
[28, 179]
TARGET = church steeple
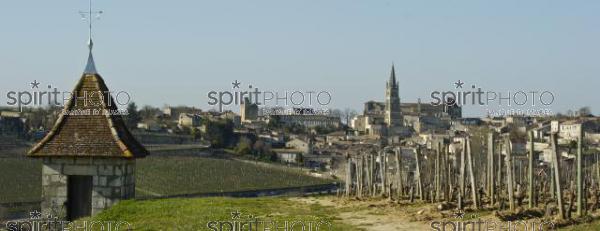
[393, 115]
[392, 82]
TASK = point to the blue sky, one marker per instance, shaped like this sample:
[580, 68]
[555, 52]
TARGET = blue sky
[176, 51]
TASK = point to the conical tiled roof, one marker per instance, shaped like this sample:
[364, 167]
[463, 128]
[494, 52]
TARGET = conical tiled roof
[89, 134]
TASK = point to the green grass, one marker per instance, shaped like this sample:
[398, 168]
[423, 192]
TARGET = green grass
[595, 225]
[21, 178]
[194, 214]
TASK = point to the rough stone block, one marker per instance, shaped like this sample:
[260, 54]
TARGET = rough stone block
[102, 181]
[99, 202]
[45, 180]
[62, 160]
[130, 169]
[83, 161]
[106, 192]
[57, 179]
[85, 170]
[128, 179]
[118, 170]
[106, 170]
[61, 191]
[50, 169]
[116, 181]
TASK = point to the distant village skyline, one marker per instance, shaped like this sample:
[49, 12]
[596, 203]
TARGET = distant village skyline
[345, 48]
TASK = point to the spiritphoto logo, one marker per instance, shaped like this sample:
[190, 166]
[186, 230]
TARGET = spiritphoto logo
[240, 221]
[477, 224]
[265, 111]
[39, 222]
[490, 225]
[498, 103]
[39, 95]
[296, 98]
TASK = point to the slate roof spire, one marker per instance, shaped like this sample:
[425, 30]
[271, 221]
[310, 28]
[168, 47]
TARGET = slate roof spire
[392, 81]
[90, 124]
[90, 67]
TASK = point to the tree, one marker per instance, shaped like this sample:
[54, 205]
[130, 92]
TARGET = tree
[325, 129]
[219, 133]
[244, 146]
[259, 146]
[273, 122]
[348, 115]
[585, 111]
[133, 116]
[149, 112]
[195, 132]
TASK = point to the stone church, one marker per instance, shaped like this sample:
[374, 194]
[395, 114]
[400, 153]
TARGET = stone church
[392, 120]
[384, 119]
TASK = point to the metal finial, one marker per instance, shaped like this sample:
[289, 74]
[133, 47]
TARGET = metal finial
[88, 16]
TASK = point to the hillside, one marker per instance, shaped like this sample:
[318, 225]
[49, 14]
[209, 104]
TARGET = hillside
[164, 176]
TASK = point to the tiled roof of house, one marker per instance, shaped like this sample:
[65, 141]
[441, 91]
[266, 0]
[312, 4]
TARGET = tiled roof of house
[89, 135]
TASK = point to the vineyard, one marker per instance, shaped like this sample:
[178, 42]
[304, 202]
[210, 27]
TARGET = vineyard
[162, 176]
[20, 180]
[186, 175]
[481, 172]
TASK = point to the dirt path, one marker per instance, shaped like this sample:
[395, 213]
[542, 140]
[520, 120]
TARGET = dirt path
[371, 214]
[381, 214]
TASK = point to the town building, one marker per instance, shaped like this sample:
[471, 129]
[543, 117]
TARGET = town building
[187, 120]
[306, 120]
[303, 145]
[12, 123]
[393, 119]
[248, 111]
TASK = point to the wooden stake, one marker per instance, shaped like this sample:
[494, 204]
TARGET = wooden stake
[461, 181]
[530, 170]
[383, 165]
[437, 172]
[472, 175]
[399, 173]
[580, 208]
[509, 175]
[418, 175]
[348, 175]
[556, 165]
[491, 172]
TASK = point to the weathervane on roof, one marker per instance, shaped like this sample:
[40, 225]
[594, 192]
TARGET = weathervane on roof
[89, 17]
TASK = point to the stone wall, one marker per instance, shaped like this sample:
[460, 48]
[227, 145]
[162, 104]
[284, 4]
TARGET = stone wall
[113, 180]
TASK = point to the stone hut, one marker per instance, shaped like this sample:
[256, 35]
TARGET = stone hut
[89, 155]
